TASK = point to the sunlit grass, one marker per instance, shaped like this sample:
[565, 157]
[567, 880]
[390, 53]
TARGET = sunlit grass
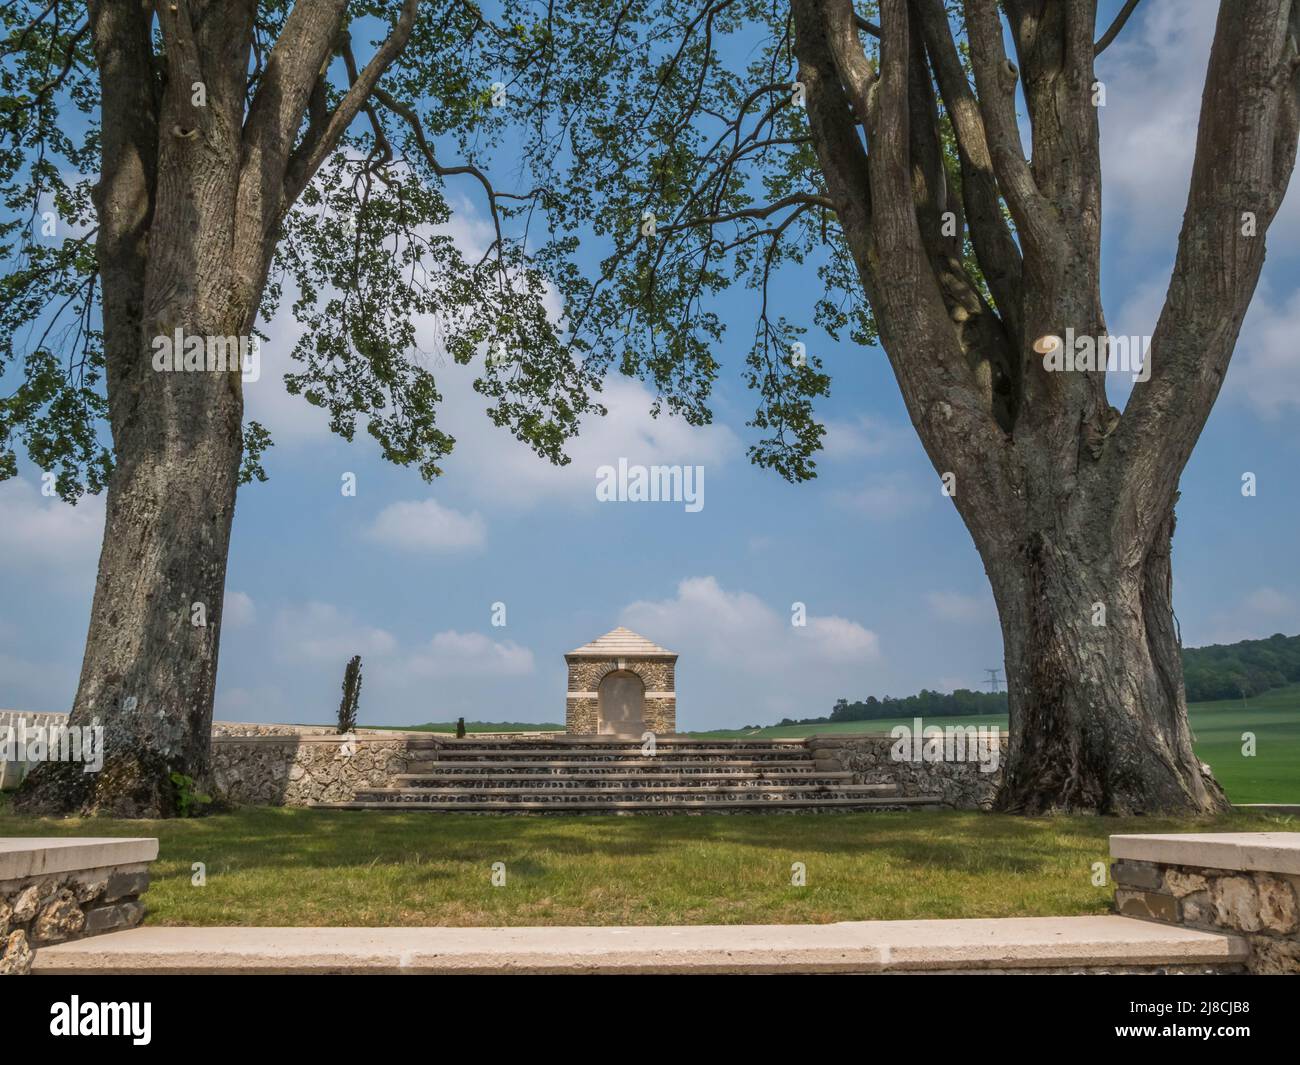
[269, 866]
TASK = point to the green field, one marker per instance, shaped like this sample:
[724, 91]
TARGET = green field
[1272, 775]
[285, 866]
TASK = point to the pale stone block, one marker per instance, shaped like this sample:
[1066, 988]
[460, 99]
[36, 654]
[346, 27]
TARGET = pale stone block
[1236, 903]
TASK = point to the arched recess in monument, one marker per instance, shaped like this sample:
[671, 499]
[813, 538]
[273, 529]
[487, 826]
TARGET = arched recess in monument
[621, 702]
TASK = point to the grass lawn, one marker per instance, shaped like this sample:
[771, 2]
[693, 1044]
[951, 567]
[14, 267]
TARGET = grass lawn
[277, 866]
[1271, 775]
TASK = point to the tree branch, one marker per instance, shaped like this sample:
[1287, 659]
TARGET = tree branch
[995, 248]
[943, 397]
[184, 65]
[408, 115]
[353, 101]
[1109, 36]
[995, 79]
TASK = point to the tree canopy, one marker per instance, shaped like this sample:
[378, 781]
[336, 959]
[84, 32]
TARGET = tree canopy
[364, 258]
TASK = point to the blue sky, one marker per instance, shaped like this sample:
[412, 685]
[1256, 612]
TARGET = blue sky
[406, 574]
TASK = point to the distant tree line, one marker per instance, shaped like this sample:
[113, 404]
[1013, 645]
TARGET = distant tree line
[1239, 670]
[925, 703]
[1220, 671]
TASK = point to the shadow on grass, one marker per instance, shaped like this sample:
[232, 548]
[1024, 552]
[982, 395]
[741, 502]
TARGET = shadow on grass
[282, 839]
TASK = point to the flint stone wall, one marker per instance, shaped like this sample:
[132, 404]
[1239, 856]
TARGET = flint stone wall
[657, 674]
[869, 757]
[49, 904]
[298, 770]
[1263, 907]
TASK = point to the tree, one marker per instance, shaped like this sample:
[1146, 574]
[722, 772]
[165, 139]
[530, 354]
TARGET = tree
[169, 173]
[351, 695]
[714, 142]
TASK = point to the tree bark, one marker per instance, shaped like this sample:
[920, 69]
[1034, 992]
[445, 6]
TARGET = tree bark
[1094, 679]
[149, 671]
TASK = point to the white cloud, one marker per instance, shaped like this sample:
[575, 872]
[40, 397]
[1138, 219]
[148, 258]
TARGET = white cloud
[499, 470]
[320, 632]
[953, 606]
[290, 419]
[42, 532]
[740, 631]
[1154, 76]
[1264, 373]
[1260, 613]
[470, 654]
[1265, 370]
[426, 525]
[862, 437]
[838, 640]
[1269, 602]
[238, 610]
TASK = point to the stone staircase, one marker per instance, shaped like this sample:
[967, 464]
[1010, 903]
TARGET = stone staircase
[613, 775]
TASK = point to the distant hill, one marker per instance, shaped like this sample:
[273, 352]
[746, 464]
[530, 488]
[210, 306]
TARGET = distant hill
[1234, 670]
[1220, 671]
[963, 702]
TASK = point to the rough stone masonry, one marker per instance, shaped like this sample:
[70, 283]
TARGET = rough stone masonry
[1246, 883]
[54, 890]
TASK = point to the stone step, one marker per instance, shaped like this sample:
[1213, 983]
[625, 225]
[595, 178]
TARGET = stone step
[601, 743]
[579, 754]
[632, 806]
[574, 779]
[421, 766]
[1003, 945]
[567, 792]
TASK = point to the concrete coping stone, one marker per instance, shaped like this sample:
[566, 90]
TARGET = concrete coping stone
[851, 946]
[1261, 852]
[23, 857]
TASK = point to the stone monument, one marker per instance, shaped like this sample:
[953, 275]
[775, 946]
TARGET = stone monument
[621, 685]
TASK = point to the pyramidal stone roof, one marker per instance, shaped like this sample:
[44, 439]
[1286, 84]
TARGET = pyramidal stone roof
[621, 643]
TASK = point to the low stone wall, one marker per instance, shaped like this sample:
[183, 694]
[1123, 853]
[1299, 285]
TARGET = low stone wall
[872, 758]
[1246, 883]
[54, 890]
[296, 770]
[237, 728]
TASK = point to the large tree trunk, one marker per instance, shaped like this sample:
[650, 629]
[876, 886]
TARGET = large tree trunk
[169, 261]
[1069, 502]
[150, 666]
[195, 182]
[1094, 679]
